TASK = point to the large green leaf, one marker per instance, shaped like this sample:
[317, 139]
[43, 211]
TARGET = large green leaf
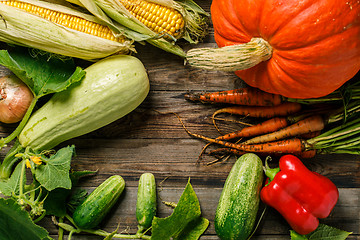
[16, 223]
[54, 173]
[42, 72]
[184, 223]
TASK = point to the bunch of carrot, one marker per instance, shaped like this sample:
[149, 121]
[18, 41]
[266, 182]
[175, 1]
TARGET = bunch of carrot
[302, 127]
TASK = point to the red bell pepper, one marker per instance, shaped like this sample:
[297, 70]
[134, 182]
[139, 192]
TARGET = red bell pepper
[298, 194]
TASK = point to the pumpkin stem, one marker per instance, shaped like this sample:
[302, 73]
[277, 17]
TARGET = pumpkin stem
[231, 58]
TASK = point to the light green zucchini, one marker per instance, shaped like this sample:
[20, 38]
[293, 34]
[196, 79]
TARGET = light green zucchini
[239, 201]
[146, 201]
[96, 206]
[112, 88]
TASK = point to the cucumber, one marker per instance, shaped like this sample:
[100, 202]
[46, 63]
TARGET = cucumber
[146, 201]
[112, 88]
[239, 200]
[92, 211]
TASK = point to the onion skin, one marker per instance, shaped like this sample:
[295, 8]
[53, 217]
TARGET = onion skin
[15, 99]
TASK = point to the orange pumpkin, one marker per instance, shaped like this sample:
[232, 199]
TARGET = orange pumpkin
[315, 44]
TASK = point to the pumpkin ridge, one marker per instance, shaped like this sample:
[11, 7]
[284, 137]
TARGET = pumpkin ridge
[308, 44]
[286, 53]
[333, 27]
[277, 67]
[284, 23]
[228, 27]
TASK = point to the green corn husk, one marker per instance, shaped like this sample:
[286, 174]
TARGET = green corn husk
[112, 11]
[25, 29]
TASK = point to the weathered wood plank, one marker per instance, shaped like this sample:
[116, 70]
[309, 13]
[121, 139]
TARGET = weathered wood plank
[151, 139]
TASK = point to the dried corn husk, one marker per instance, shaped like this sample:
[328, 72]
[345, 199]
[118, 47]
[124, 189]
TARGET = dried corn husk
[21, 28]
[112, 11]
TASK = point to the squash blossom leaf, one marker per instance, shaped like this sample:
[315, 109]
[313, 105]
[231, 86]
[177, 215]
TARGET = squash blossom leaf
[13, 218]
[42, 72]
[55, 172]
[184, 223]
[323, 232]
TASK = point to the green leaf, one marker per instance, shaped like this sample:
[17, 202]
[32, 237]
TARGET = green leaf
[323, 232]
[181, 221]
[194, 229]
[16, 223]
[295, 236]
[54, 172]
[42, 72]
[55, 202]
[59, 200]
[12, 184]
[76, 175]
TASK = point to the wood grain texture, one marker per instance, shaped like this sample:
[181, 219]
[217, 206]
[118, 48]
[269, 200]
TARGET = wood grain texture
[151, 139]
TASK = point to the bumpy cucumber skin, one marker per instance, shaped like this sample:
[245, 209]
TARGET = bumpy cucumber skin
[92, 211]
[112, 88]
[239, 201]
[146, 201]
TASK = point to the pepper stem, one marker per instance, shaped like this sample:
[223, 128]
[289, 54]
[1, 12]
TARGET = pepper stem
[270, 172]
[231, 58]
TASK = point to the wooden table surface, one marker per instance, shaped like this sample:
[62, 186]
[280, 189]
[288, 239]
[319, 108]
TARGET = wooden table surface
[151, 139]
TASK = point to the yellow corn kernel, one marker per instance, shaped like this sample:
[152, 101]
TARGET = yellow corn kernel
[158, 18]
[66, 20]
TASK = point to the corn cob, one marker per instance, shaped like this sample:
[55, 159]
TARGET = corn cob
[159, 22]
[69, 33]
[66, 20]
[160, 19]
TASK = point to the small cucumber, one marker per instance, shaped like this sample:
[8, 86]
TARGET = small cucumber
[146, 201]
[239, 201]
[111, 88]
[92, 211]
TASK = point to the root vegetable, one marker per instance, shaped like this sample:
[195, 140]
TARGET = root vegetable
[15, 99]
[307, 125]
[284, 109]
[242, 96]
[267, 126]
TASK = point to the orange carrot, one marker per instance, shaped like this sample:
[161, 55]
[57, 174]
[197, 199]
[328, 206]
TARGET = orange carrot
[310, 135]
[243, 96]
[304, 154]
[307, 125]
[267, 126]
[307, 154]
[283, 109]
[284, 146]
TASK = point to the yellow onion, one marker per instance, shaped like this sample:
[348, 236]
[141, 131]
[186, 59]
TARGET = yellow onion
[15, 99]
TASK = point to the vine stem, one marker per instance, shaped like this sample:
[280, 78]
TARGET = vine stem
[21, 186]
[102, 233]
[40, 217]
[61, 231]
[117, 235]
